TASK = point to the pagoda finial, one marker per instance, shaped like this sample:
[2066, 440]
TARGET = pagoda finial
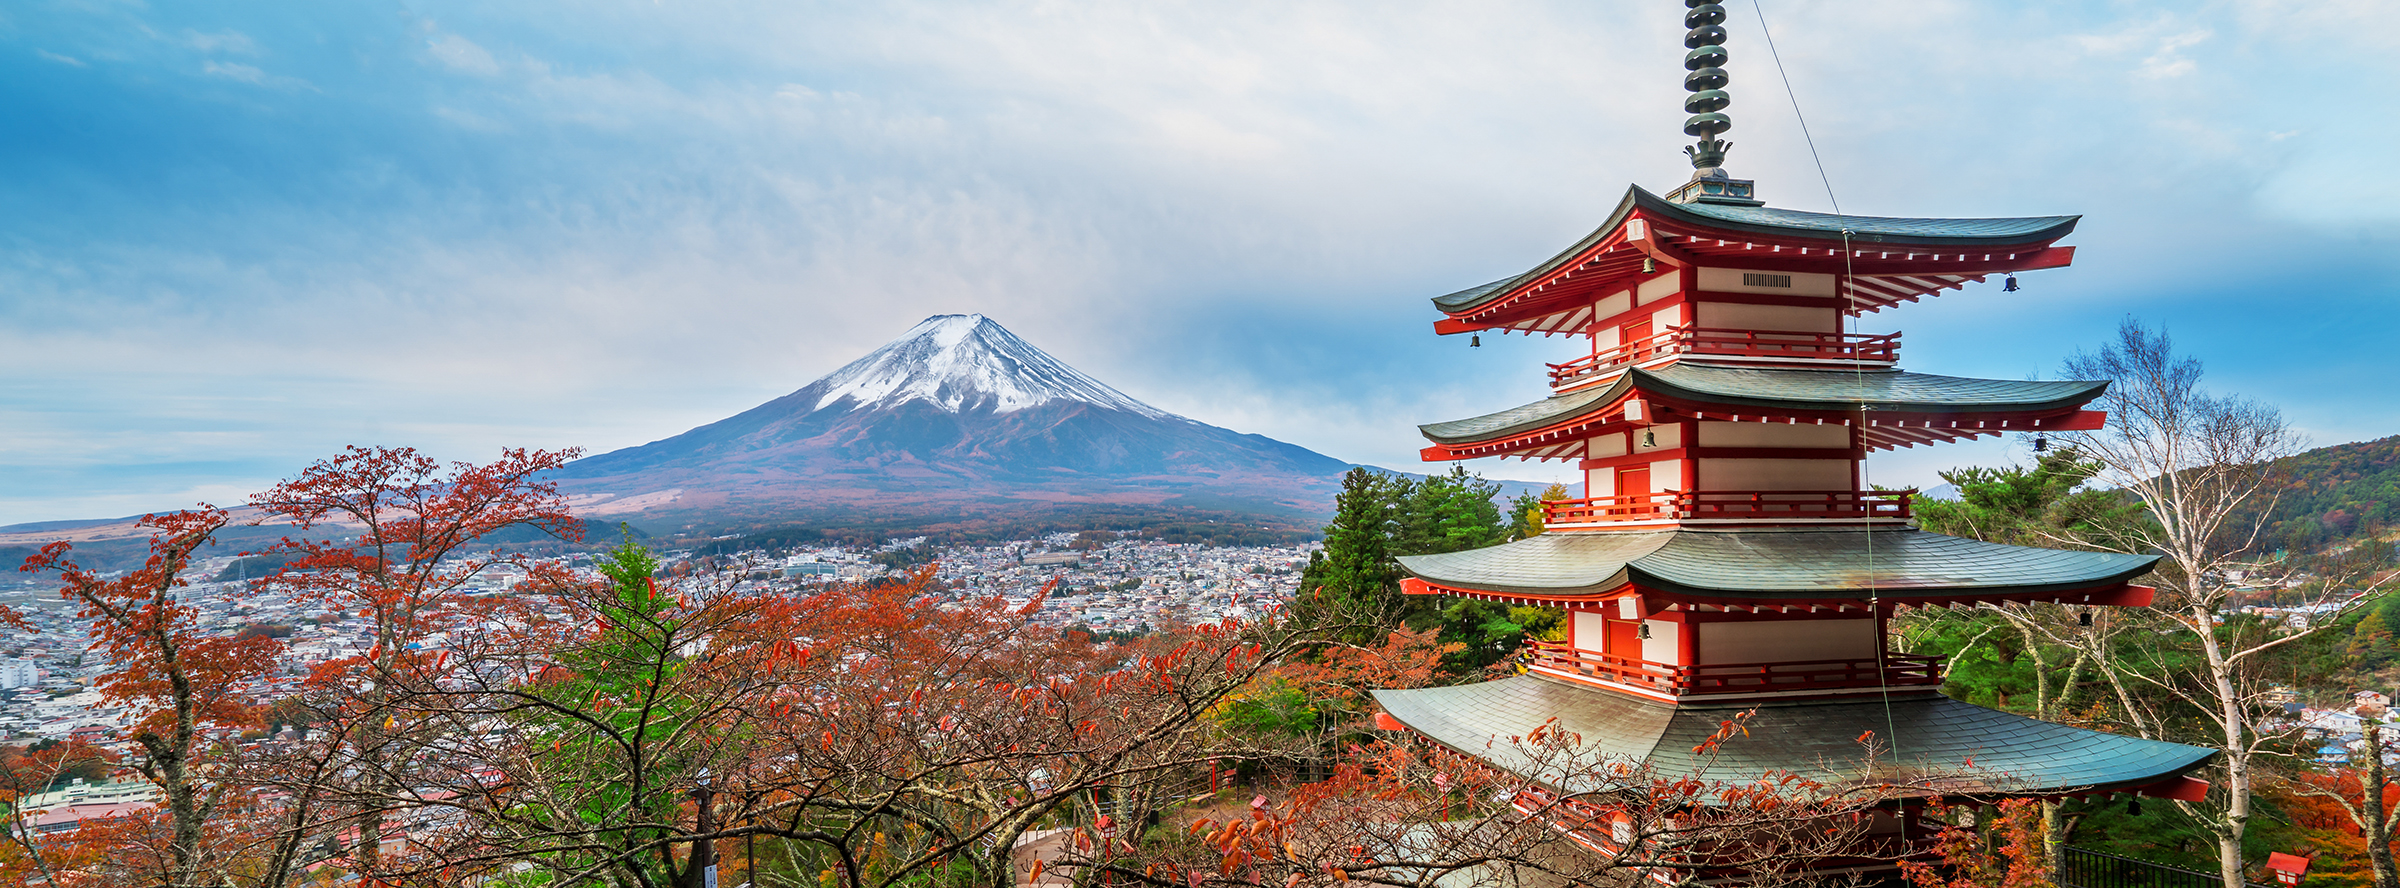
[1706, 62]
[1707, 79]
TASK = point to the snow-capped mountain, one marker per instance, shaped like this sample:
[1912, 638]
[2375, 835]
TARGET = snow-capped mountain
[956, 415]
[968, 362]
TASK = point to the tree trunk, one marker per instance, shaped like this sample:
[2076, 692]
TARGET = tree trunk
[2377, 822]
[2054, 842]
[2236, 819]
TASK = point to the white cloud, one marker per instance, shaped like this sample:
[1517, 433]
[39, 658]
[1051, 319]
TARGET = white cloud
[235, 71]
[469, 119]
[461, 54]
[252, 75]
[2168, 61]
[1186, 201]
[223, 41]
[61, 59]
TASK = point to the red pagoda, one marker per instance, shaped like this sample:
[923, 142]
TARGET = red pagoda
[1727, 556]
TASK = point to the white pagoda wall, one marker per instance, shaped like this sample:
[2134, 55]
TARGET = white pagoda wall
[1774, 434]
[1789, 318]
[1775, 474]
[1779, 641]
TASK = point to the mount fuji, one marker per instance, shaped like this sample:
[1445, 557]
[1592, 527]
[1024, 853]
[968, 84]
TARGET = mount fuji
[957, 419]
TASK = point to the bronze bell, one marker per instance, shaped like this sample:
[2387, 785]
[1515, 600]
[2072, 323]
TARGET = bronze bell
[1475, 341]
[2009, 285]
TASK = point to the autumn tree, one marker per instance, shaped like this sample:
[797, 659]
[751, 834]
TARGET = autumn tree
[871, 735]
[402, 552]
[1404, 813]
[180, 681]
[559, 737]
[2002, 850]
[25, 856]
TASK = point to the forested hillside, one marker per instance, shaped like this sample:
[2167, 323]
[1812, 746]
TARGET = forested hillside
[2337, 493]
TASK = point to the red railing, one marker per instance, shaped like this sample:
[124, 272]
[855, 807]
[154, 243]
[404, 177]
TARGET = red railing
[1880, 348]
[1602, 509]
[1796, 504]
[1772, 505]
[1897, 670]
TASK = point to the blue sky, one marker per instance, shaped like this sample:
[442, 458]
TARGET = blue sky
[236, 237]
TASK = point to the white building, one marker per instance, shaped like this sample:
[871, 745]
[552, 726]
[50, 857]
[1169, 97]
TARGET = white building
[19, 674]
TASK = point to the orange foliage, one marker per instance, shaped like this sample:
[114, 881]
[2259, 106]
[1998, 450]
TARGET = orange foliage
[180, 681]
[1346, 673]
[2005, 853]
[2319, 805]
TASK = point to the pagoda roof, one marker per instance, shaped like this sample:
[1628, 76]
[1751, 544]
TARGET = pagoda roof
[1953, 747]
[1781, 224]
[1883, 262]
[1780, 390]
[1777, 564]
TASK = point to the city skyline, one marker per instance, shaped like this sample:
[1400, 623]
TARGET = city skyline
[239, 239]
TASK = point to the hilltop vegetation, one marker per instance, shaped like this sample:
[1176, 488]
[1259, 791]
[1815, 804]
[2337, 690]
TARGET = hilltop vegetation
[2334, 495]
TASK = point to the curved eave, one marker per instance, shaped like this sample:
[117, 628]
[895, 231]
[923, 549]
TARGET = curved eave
[1688, 385]
[1971, 234]
[2009, 234]
[2057, 396]
[1931, 745]
[1784, 566]
[1474, 297]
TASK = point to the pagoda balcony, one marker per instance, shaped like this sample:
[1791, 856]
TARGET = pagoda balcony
[1893, 671]
[1761, 505]
[1748, 345]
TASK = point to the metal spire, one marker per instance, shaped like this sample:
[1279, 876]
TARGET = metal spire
[1707, 79]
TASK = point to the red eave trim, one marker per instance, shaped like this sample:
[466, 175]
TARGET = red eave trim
[1566, 269]
[2181, 789]
[1941, 426]
[1656, 601]
[1701, 246]
[2079, 421]
[1680, 244]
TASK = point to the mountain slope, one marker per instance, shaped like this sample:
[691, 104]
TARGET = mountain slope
[956, 416]
[2333, 494]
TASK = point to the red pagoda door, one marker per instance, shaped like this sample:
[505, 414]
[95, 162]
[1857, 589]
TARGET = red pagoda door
[1633, 336]
[1633, 490]
[1624, 639]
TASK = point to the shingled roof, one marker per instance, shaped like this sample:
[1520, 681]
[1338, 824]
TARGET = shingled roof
[1774, 563]
[1770, 222]
[1958, 748]
[1841, 390]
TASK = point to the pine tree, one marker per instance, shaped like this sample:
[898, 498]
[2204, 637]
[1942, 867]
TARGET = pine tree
[1525, 512]
[1355, 570]
[1450, 513]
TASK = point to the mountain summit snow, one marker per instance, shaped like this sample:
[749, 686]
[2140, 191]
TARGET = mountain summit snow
[964, 363]
[957, 419]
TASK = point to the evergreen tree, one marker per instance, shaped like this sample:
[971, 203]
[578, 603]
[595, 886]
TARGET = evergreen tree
[1379, 517]
[1525, 512]
[2042, 505]
[1450, 513]
[1355, 569]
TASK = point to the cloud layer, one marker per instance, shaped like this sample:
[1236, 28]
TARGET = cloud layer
[235, 239]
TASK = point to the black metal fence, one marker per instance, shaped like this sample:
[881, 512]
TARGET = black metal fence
[2086, 868]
